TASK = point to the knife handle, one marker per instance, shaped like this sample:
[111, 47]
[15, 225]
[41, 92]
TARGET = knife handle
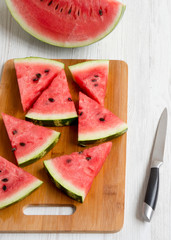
[151, 194]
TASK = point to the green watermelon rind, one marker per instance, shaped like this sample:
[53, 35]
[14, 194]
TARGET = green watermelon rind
[116, 132]
[21, 194]
[87, 65]
[63, 184]
[39, 60]
[33, 32]
[55, 120]
[41, 151]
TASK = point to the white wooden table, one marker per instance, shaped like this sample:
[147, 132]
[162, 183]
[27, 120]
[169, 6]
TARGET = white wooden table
[143, 40]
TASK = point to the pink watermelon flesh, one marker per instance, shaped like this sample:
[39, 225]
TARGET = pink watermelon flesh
[96, 123]
[15, 183]
[33, 76]
[29, 142]
[69, 23]
[54, 106]
[92, 78]
[74, 173]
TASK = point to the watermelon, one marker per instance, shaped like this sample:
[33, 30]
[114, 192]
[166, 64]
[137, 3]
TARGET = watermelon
[92, 78]
[33, 76]
[29, 142]
[54, 107]
[15, 183]
[96, 123]
[74, 173]
[69, 23]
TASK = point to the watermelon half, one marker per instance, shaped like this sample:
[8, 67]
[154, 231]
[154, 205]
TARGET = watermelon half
[33, 76]
[29, 142]
[15, 183]
[96, 123]
[69, 23]
[92, 78]
[54, 107]
[74, 173]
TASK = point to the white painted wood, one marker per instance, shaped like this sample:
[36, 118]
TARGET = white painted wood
[143, 40]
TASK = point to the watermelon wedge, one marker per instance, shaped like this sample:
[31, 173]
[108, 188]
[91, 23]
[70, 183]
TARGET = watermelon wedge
[96, 123]
[33, 76]
[15, 183]
[69, 23]
[29, 142]
[54, 107]
[92, 78]
[74, 173]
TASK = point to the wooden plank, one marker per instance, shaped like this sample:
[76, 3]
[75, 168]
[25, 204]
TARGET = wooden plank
[103, 209]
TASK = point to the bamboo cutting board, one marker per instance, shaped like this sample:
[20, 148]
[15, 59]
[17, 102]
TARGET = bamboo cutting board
[103, 209]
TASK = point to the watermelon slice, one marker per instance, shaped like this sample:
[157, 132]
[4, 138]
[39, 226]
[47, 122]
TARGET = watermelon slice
[15, 183]
[33, 76]
[29, 142]
[92, 78]
[96, 123]
[74, 173]
[54, 107]
[69, 23]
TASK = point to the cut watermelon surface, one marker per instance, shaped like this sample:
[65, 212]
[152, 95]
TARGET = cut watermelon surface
[15, 183]
[96, 123]
[74, 173]
[33, 76]
[29, 142]
[54, 107]
[69, 23]
[92, 78]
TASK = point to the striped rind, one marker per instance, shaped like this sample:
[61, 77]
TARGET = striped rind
[103, 135]
[40, 151]
[63, 184]
[22, 193]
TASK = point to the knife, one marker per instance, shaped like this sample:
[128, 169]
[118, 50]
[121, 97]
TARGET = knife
[150, 200]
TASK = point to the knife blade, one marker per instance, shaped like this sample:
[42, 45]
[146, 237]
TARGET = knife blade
[150, 200]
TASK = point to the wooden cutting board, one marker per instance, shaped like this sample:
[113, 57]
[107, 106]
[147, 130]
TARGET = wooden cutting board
[103, 209]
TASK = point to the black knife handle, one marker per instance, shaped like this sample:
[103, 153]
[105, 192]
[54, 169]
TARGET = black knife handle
[152, 188]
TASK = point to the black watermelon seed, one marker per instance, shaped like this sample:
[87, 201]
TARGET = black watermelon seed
[96, 84]
[56, 6]
[102, 119]
[61, 10]
[94, 80]
[68, 160]
[4, 180]
[88, 158]
[38, 75]
[51, 99]
[50, 3]
[81, 113]
[100, 12]
[70, 11]
[69, 99]
[0, 171]
[96, 75]
[14, 132]
[13, 149]
[22, 144]
[35, 79]
[47, 70]
[4, 187]
[80, 152]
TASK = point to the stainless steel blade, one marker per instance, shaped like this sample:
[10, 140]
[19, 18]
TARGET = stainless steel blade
[159, 142]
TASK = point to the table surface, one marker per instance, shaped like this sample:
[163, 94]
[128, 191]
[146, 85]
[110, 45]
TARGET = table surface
[143, 40]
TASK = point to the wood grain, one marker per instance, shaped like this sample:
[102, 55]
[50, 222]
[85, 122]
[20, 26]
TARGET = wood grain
[103, 209]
